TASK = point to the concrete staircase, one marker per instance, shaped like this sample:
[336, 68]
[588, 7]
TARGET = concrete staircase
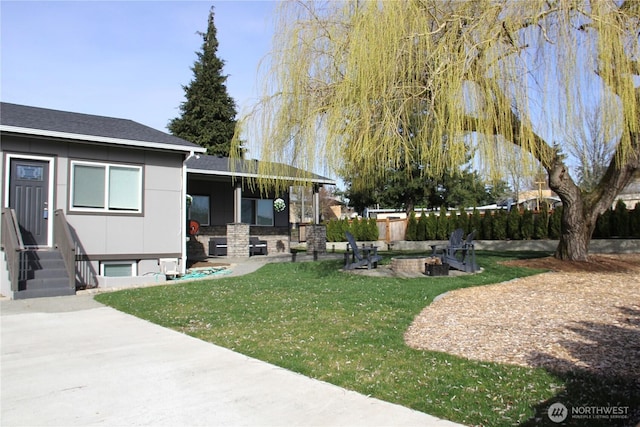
[46, 276]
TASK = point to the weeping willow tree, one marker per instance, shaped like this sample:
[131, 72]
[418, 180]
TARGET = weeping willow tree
[364, 87]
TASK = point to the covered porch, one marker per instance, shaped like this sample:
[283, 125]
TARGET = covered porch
[229, 217]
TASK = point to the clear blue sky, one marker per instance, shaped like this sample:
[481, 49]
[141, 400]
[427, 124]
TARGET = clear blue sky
[125, 59]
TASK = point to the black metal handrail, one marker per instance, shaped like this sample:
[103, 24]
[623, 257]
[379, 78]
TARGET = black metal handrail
[13, 247]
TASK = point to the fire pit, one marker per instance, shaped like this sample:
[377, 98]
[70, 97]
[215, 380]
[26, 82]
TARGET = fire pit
[408, 264]
[413, 265]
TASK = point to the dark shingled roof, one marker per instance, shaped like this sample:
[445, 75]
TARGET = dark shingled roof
[221, 166]
[44, 119]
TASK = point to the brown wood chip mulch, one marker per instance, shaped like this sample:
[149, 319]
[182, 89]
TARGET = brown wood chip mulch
[580, 316]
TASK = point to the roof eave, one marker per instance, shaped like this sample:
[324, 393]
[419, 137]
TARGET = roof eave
[102, 139]
[316, 180]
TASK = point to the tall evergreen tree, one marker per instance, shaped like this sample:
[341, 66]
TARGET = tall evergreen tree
[208, 116]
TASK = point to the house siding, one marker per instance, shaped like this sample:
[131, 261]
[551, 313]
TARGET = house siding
[157, 232]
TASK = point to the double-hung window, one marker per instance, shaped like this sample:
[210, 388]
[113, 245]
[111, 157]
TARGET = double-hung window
[106, 187]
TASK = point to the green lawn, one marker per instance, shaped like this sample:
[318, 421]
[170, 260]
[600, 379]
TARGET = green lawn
[348, 330]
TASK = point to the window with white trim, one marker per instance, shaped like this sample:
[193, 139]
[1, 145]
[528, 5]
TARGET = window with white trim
[257, 211]
[106, 187]
[118, 269]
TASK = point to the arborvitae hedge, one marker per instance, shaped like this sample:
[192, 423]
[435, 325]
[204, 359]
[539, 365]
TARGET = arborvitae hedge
[515, 225]
[634, 222]
[362, 229]
[432, 226]
[541, 223]
[421, 231]
[500, 225]
[463, 221]
[526, 225]
[412, 228]
[620, 226]
[555, 223]
[442, 230]
[486, 230]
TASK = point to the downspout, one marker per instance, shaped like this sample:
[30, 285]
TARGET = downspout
[183, 214]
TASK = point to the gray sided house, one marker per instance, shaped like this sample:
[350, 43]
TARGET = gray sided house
[88, 201]
[93, 201]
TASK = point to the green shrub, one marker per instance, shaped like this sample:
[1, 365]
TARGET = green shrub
[486, 227]
[513, 224]
[412, 228]
[620, 226]
[526, 224]
[336, 229]
[432, 227]
[421, 232]
[500, 225]
[634, 221]
[463, 221]
[372, 230]
[603, 225]
[476, 223]
[541, 223]
[442, 230]
[555, 223]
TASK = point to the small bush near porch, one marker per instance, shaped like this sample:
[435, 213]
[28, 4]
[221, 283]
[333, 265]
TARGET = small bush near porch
[348, 330]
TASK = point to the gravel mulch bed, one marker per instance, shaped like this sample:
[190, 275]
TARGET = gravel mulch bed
[580, 316]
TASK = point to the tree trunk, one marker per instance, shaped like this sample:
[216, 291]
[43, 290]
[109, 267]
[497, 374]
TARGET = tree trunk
[575, 235]
[581, 210]
[578, 218]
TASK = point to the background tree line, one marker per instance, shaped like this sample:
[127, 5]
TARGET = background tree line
[492, 225]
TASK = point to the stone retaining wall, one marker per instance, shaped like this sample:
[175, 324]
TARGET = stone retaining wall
[603, 246]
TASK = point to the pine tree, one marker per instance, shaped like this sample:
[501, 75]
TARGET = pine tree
[208, 116]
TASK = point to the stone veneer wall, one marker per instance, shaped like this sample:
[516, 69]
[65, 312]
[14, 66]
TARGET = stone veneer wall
[316, 239]
[238, 240]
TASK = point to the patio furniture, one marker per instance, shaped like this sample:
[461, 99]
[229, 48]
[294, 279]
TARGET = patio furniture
[218, 246]
[459, 254]
[359, 257]
[257, 246]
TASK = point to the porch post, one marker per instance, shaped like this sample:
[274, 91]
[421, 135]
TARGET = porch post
[316, 204]
[237, 232]
[238, 240]
[316, 233]
[237, 202]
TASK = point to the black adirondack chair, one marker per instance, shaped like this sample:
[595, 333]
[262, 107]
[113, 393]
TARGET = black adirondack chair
[360, 257]
[459, 254]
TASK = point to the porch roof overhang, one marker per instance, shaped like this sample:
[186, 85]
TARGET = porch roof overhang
[214, 166]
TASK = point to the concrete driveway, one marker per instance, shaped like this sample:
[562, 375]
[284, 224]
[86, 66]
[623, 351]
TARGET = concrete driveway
[70, 361]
